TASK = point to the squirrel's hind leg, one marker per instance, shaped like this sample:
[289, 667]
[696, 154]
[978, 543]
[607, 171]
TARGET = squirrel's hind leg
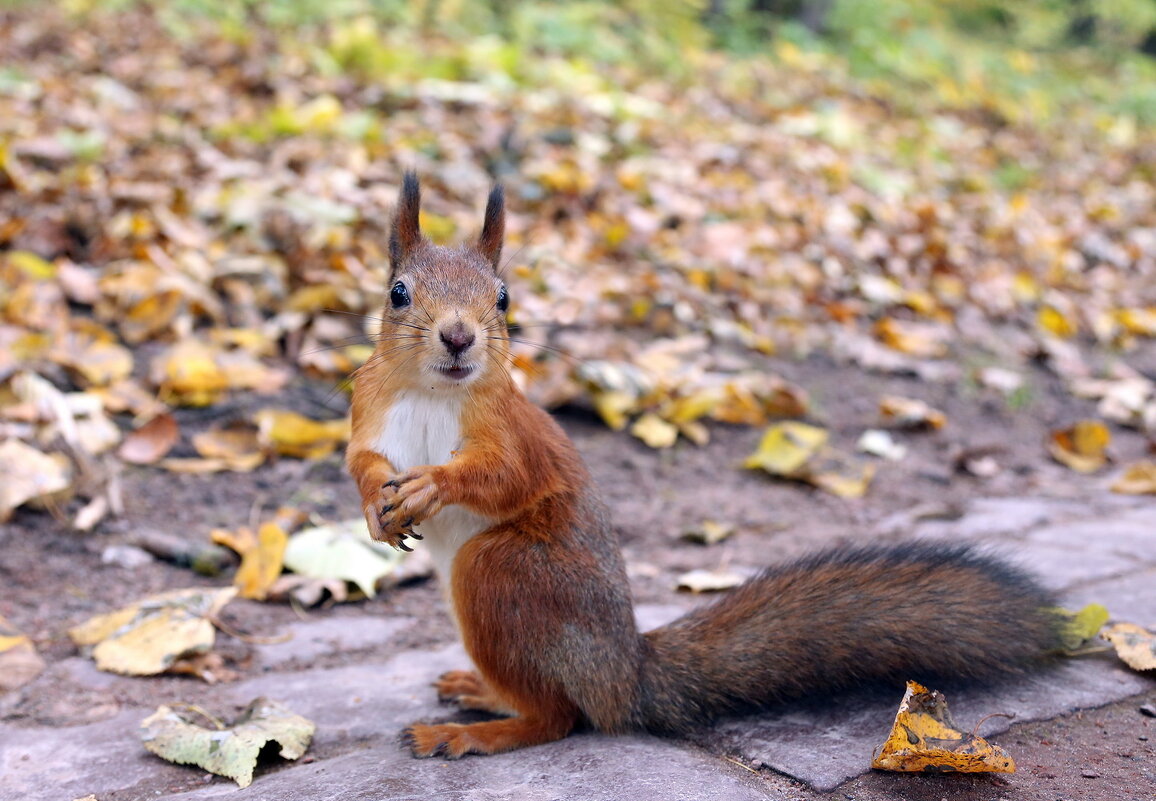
[453, 740]
[469, 691]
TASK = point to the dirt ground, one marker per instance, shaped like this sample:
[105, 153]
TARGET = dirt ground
[53, 578]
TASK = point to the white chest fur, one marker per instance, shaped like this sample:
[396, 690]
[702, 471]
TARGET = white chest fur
[425, 428]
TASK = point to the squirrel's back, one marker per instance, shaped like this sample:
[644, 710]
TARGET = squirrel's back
[846, 618]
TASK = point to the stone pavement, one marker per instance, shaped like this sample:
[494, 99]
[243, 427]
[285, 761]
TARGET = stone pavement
[1103, 551]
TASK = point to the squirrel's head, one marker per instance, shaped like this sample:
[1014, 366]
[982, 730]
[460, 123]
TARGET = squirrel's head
[445, 311]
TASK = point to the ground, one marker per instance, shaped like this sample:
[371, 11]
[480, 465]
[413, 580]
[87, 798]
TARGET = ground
[54, 578]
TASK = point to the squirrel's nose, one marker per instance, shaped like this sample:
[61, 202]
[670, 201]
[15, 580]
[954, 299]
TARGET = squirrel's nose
[457, 338]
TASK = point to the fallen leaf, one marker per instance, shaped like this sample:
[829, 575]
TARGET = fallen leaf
[342, 551]
[1137, 479]
[786, 447]
[229, 751]
[151, 442]
[27, 474]
[292, 434]
[1081, 447]
[187, 374]
[1134, 644]
[654, 431]
[925, 739]
[236, 446]
[882, 444]
[262, 552]
[19, 661]
[1081, 627]
[709, 580]
[149, 636]
[910, 413]
[709, 532]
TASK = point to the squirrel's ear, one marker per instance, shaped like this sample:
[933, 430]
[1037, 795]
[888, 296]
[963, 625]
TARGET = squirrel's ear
[406, 233]
[494, 228]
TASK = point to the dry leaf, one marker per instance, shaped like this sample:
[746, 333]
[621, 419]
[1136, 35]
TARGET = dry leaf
[342, 552]
[881, 443]
[262, 553]
[1081, 447]
[292, 434]
[151, 442]
[226, 750]
[709, 532]
[1081, 627]
[1134, 644]
[27, 474]
[910, 413]
[654, 431]
[149, 636]
[187, 374]
[1137, 479]
[236, 446]
[786, 448]
[19, 662]
[709, 580]
[925, 739]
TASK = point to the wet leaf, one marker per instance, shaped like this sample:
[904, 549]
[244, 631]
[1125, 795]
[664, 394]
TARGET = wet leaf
[173, 734]
[1081, 447]
[153, 634]
[925, 739]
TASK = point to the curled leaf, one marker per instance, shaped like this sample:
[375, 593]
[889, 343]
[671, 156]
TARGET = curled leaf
[1134, 644]
[229, 751]
[925, 739]
[1081, 447]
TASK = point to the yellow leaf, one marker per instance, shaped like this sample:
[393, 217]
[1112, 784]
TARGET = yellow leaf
[32, 265]
[1134, 644]
[924, 738]
[237, 446]
[28, 475]
[1081, 447]
[613, 406]
[922, 340]
[654, 431]
[292, 434]
[188, 374]
[786, 448]
[150, 316]
[1141, 322]
[19, 662]
[262, 557]
[1053, 321]
[1081, 627]
[1137, 479]
[910, 413]
[153, 634]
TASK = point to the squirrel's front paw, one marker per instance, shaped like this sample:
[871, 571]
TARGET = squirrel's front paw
[404, 502]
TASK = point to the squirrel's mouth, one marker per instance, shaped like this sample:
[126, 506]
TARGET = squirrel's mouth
[456, 372]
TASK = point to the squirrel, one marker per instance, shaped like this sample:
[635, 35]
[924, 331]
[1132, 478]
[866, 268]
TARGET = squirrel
[445, 448]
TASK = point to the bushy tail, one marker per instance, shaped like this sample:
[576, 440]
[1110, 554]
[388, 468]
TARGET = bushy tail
[843, 619]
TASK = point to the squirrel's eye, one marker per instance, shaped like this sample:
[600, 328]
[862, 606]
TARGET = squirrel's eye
[503, 299]
[399, 295]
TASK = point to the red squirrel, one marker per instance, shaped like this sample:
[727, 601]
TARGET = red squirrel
[446, 449]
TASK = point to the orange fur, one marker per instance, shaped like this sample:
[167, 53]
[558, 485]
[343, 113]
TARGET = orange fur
[535, 577]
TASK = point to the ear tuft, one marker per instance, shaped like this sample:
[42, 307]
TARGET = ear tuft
[494, 227]
[406, 233]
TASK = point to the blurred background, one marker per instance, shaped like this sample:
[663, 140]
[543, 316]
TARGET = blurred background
[719, 210]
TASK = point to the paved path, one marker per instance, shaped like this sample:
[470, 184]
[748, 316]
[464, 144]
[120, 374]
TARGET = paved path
[1103, 552]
